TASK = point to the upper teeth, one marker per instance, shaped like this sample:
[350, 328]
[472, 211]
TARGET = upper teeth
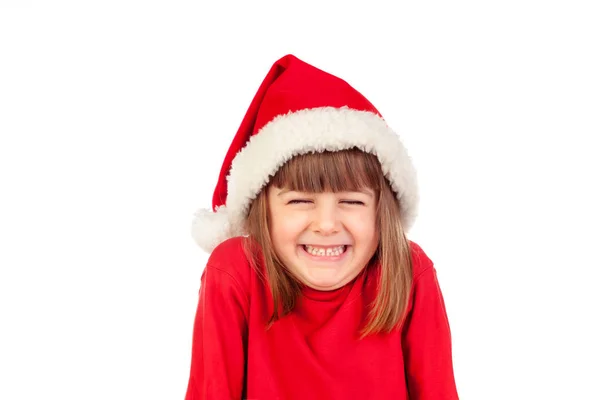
[330, 251]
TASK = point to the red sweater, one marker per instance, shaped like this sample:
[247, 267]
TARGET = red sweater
[314, 352]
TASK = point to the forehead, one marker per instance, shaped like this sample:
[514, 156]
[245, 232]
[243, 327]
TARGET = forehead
[342, 171]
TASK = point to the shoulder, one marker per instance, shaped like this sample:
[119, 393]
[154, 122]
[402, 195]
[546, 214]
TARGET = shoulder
[227, 251]
[421, 262]
[230, 258]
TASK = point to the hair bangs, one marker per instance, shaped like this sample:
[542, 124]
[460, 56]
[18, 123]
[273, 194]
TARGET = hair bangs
[338, 171]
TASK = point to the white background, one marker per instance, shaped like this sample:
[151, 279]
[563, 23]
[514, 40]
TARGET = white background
[115, 117]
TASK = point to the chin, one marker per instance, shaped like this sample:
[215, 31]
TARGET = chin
[323, 286]
[324, 283]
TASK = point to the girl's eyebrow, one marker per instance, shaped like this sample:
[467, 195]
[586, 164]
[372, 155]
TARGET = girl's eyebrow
[283, 191]
[366, 191]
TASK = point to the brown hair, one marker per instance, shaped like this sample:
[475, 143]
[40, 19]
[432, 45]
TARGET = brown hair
[347, 170]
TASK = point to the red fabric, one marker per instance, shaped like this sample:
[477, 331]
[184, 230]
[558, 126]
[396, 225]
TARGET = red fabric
[290, 85]
[314, 352]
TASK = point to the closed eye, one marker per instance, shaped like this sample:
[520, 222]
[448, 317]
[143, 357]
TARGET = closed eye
[353, 202]
[299, 201]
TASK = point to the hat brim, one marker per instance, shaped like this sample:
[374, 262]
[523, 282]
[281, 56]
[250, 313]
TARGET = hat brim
[301, 132]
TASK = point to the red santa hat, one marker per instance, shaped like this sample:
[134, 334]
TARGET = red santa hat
[300, 109]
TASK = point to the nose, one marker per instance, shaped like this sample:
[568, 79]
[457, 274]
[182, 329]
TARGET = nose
[326, 219]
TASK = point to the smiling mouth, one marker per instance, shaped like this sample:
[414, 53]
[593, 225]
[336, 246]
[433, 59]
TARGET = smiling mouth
[331, 251]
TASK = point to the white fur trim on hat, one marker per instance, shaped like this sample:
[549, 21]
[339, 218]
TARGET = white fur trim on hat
[305, 131]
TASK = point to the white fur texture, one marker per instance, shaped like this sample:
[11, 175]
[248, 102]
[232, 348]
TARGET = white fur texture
[211, 228]
[305, 131]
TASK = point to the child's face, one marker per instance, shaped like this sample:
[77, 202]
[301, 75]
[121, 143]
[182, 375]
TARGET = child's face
[324, 239]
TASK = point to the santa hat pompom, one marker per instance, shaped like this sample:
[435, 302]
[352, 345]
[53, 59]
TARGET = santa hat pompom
[211, 228]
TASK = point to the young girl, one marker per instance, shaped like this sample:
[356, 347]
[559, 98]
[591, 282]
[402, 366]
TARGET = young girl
[312, 290]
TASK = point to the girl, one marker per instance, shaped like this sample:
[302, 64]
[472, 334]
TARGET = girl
[312, 290]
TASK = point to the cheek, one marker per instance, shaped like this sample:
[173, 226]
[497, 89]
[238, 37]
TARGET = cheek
[364, 227]
[285, 230]
[370, 237]
[278, 238]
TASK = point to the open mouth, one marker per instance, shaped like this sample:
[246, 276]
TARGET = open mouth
[329, 251]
